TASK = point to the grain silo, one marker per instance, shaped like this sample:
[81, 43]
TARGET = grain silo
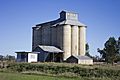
[65, 33]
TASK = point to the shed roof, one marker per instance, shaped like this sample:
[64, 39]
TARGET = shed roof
[51, 49]
[82, 57]
[25, 52]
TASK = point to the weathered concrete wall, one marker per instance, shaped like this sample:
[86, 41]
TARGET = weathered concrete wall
[74, 40]
[82, 40]
[54, 36]
[60, 37]
[41, 36]
[36, 38]
[66, 41]
[46, 35]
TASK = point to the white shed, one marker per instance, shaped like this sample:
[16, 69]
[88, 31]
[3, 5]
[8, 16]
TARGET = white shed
[80, 60]
[27, 56]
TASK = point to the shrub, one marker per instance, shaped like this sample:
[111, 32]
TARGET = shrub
[57, 69]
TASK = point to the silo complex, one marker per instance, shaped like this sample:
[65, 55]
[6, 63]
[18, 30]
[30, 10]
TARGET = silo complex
[65, 33]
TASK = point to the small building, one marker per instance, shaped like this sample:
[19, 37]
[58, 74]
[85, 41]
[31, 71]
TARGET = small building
[41, 54]
[27, 56]
[80, 60]
[49, 53]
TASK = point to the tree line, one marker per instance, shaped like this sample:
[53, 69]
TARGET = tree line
[111, 51]
[7, 58]
[109, 54]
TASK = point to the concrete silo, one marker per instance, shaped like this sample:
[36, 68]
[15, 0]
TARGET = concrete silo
[82, 40]
[65, 33]
[67, 41]
[75, 40]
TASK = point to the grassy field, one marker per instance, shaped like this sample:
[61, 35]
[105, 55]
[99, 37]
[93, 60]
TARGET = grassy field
[59, 71]
[18, 76]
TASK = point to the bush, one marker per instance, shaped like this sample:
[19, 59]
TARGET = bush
[60, 69]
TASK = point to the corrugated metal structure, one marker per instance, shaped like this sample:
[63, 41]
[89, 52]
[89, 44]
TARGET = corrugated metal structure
[65, 33]
[49, 54]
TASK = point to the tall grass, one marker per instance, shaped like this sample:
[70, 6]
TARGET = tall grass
[67, 70]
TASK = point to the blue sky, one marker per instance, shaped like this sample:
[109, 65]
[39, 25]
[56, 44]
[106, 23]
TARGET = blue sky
[17, 17]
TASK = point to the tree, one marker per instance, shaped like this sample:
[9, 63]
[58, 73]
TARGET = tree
[119, 44]
[1, 57]
[110, 51]
[118, 56]
[96, 58]
[10, 58]
[87, 51]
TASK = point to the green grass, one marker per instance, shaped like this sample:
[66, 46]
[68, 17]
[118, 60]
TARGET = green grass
[18, 76]
[59, 71]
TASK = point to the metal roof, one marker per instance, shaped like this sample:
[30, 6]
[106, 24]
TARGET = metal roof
[82, 57]
[25, 52]
[71, 22]
[51, 49]
[62, 20]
